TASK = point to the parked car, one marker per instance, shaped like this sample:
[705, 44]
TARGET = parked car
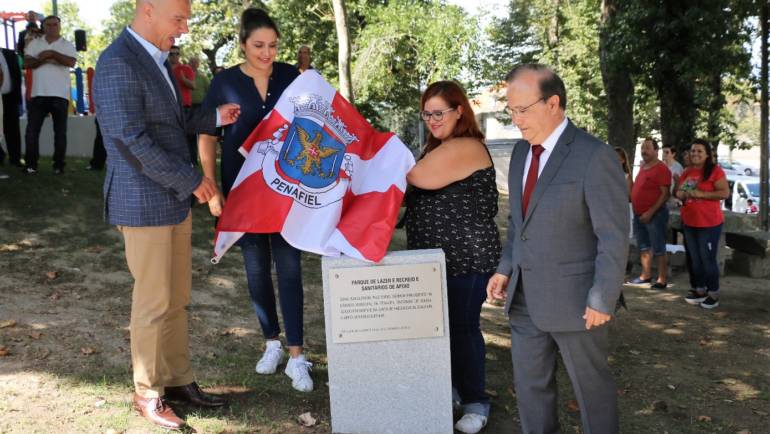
[729, 168]
[745, 169]
[742, 188]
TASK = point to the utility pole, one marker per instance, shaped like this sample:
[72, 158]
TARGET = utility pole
[763, 127]
[55, 8]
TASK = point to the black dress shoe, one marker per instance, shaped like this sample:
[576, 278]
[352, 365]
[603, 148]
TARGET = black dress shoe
[194, 395]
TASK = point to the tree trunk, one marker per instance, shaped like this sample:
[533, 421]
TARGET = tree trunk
[677, 111]
[716, 102]
[343, 56]
[676, 88]
[553, 31]
[618, 86]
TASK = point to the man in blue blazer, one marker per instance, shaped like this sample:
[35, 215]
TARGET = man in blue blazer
[562, 267]
[147, 189]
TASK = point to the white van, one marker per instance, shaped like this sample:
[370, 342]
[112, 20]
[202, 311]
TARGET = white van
[742, 188]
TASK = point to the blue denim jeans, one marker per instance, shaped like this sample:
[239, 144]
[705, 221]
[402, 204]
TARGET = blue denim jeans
[465, 295]
[652, 235]
[257, 250]
[703, 245]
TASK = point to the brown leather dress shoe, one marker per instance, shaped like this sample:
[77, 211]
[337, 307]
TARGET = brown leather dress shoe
[194, 395]
[157, 412]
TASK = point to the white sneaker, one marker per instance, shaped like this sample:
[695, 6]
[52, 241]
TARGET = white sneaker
[471, 423]
[272, 357]
[298, 370]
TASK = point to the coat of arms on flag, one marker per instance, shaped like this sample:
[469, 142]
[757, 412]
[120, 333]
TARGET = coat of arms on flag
[317, 172]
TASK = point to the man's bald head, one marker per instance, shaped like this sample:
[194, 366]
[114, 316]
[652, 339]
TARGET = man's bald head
[161, 22]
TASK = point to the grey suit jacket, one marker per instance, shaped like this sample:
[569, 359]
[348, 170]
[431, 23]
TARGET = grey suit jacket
[150, 176]
[571, 248]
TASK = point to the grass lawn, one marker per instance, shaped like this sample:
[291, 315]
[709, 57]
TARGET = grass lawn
[64, 351]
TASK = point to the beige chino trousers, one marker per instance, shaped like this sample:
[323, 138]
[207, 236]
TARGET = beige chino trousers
[159, 258]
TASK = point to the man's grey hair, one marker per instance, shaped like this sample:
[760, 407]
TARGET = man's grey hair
[550, 82]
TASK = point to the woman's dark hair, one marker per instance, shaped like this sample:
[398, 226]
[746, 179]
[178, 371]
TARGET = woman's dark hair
[624, 159]
[255, 19]
[708, 165]
[454, 95]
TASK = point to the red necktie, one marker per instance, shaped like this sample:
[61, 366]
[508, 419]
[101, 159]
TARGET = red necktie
[529, 186]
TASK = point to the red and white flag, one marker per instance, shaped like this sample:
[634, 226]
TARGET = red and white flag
[319, 174]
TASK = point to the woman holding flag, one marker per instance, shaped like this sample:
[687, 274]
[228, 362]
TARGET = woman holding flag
[256, 85]
[452, 205]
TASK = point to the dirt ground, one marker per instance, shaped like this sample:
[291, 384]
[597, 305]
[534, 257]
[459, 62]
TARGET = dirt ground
[64, 350]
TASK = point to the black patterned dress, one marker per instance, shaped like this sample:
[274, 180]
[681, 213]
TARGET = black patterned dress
[460, 219]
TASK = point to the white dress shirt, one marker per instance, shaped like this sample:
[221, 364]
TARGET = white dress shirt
[548, 145]
[158, 56]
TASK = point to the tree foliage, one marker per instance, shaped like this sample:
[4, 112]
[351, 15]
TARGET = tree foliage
[563, 34]
[69, 14]
[684, 59]
[406, 45]
[121, 14]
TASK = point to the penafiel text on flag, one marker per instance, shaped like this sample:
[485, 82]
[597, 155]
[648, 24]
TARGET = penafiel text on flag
[317, 172]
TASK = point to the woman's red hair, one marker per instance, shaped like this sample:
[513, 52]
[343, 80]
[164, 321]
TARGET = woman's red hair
[454, 95]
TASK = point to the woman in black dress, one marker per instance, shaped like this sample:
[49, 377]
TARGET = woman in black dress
[451, 205]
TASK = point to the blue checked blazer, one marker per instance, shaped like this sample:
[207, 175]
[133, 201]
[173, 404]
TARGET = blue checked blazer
[150, 177]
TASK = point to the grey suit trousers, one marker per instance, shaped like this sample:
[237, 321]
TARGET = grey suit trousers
[584, 354]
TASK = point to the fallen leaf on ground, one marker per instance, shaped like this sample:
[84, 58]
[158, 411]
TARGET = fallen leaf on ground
[634, 352]
[44, 355]
[35, 335]
[4, 351]
[704, 418]
[671, 386]
[572, 406]
[51, 275]
[233, 331]
[743, 431]
[721, 315]
[88, 351]
[100, 403]
[7, 323]
[55, 296]
[9, 247]
[491, 393]
[306, 419]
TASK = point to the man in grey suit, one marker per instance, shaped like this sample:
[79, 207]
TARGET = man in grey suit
[563, 264]
[147, 190]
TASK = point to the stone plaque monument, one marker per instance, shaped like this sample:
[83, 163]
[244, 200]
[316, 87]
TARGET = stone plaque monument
[387, 339]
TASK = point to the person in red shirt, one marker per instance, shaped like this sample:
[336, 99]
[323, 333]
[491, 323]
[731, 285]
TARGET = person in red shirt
[701, 188]
[185, 78]
[184, 75]
[751, 207]
[649, 194]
